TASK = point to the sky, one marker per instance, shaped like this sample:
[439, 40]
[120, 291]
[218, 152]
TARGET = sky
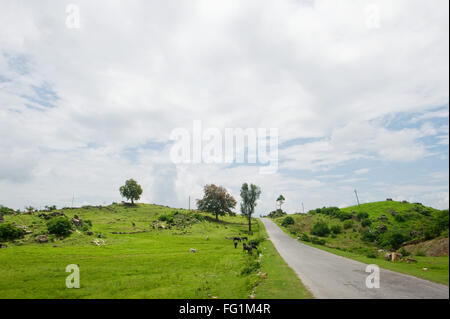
[90, 92]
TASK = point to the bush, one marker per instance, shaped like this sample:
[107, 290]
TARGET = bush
[420, 253]
[250, 267]
[5, 210]
[320, 229]
[348, 224]
[392, 240]
[399, 218]
[59, 226]
[362, 215]
[404, 252]
[287, 221]
[305, 237]
[371, 255]
[10, 232]
[277, 213]
[368, 236]
[336, 229]
[366, 222]
[317, 241]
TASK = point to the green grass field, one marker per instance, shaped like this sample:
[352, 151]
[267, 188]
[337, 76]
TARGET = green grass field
[150, 263]
[349, 244]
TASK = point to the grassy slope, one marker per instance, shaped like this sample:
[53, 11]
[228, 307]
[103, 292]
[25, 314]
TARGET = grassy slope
[153, 264]
[348, 244]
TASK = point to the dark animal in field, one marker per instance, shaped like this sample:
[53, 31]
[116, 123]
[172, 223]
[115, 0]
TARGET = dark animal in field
[133, 224]
[237, 238]
[247, 248]
[235, 244]
[244, 238]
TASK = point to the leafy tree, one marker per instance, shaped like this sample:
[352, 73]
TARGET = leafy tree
[320, 229]
[280, 200]
[288, 220]
[131, 190]
[249, 197]
[216, 200]
[60, 226]
[9, 232]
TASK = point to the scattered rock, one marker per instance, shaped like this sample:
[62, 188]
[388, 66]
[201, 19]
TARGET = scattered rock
[264, 276]
[425, 269]
[41, 239]
[382, 228]
[405, 202]
[89, 233]
[251, 296]
[99, 235]
[409, 260]
[396, 257]
[193, 250]
[77, 221]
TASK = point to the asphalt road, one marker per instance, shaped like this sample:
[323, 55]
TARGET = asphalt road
[330, 276]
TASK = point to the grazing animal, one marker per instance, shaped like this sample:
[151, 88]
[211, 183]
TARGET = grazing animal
[133, 224]
[237, 238]
[247, 248]
[244, 238]
[235, 244]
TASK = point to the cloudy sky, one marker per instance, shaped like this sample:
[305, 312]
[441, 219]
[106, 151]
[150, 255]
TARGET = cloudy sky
[359, 91]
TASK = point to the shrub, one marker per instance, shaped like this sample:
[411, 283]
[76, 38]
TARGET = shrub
[368, 236]
[371, 255]
[288, 220]
[366, 222]
[59, 226]
[305, 237]
[399, 218]
[404, 252]
[10, 232]
[250, 267]
[317, 241]
[336, 229]
[362, 215]
[277, 213]
[5, 210]
[420, 253]
[198, 216]
[88, 222]
[392, 240]
[348, 224]
[320, 229]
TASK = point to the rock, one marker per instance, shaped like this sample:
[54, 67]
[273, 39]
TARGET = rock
[396, 256]
[41, 239]
[96, 242]
[382, 228]
[425, 269]
[89, 233]
[264, 276]
[77, 222]
[99, 235]
[405, 202]
[388, 256]
[389, 199]
[251, 296]
[193, 250]
[410, 260]
[207, 237]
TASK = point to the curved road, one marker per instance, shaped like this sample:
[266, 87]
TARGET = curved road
[330, 276]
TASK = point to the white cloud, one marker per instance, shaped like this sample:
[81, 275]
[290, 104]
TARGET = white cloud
[135, 71]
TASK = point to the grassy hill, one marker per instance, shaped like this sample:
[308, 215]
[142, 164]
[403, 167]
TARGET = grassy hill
[369, 231]
[142, 251]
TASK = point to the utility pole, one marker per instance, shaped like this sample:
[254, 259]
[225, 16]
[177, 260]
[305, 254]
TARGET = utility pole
[357, 199]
